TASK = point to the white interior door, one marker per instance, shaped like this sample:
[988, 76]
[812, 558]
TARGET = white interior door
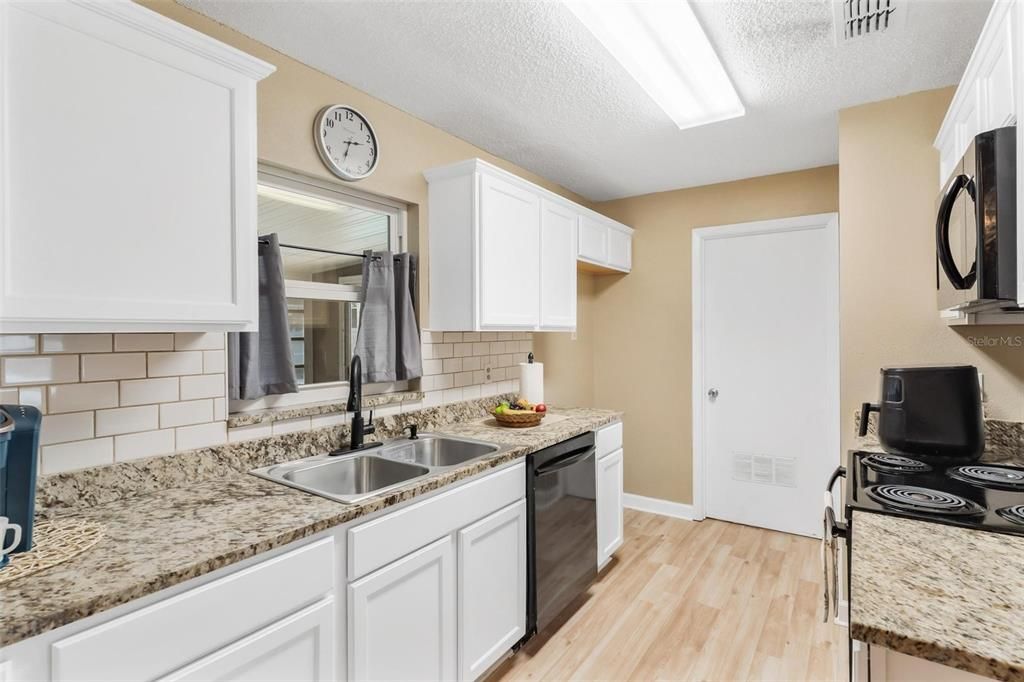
[766, 327]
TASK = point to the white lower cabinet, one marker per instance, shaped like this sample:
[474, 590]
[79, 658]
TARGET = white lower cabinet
[402, 618]
[299, 648]
[215, 619]
[452, 608]
[609, 506]
[492, 589]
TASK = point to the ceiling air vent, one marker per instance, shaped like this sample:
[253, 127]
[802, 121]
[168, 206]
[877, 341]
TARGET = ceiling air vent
[862, 18]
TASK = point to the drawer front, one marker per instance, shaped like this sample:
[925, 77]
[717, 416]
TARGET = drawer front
[379, 542]
[168, 635]
[609, 439]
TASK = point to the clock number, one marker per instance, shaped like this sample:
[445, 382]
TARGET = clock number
[330, 124]
[349, 116]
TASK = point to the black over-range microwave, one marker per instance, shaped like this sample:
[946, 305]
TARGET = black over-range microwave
[976, 227]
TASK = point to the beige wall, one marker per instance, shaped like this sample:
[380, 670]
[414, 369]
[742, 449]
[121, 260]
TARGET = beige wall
[290, 98]
[888, 182]
[635, 330]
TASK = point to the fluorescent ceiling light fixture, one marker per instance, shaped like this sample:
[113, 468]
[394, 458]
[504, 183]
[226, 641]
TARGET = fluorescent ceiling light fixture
[663, 47]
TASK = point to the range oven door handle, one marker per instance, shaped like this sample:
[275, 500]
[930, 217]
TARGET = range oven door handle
[566, 460]
[942, 249]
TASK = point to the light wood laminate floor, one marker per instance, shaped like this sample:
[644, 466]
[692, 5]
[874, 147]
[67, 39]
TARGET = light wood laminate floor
[694, 601]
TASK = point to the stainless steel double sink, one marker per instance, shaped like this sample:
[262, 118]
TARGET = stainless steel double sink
[354, 477]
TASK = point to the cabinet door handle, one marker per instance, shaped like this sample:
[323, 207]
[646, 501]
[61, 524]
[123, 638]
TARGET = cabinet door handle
[713, 393]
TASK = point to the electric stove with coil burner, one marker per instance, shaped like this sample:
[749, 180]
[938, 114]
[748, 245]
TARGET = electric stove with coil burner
[980, 496]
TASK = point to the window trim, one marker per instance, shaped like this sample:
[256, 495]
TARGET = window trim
[278, 177]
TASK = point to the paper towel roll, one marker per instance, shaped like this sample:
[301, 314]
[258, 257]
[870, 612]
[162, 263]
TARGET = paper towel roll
[531, 381]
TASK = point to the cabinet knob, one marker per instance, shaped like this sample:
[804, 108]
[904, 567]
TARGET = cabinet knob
[712, 393]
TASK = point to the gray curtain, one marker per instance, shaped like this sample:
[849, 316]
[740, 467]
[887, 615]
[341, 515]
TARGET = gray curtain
[260, 363]
[408, 359]
[388, 340]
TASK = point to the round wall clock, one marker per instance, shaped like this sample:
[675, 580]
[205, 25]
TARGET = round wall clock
[346, 142]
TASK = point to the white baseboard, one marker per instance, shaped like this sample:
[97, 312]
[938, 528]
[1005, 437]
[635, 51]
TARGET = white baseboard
[653, 505]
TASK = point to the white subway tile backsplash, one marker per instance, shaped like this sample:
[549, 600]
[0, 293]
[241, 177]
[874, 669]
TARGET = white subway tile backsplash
[113, 366]
[319, 421]
[145, 444]
[34, 396]
[127, 420]
[149, 391]
[185, 413]
[251, 432]
[77, 455]
[63, 428]
[199, 341]
[214, 361]
[17, 344]
[40, 369]
[152, 394]
[175, 363]
[142, 342]
[291, 425]
[77, 343]
[201, 436]
[203, 386]
[78, 397]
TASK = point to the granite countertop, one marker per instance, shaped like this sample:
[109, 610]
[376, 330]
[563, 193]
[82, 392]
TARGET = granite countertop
[165, 537]
[947, 594]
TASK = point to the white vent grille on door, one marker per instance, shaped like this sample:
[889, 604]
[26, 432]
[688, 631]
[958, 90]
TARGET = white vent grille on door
[764, 469]
[861, 18]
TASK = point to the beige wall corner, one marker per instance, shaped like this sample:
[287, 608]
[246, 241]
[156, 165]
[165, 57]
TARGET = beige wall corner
[639, 324]
[888, 185]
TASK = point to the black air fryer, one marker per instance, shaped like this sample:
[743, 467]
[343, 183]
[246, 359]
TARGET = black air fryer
[929, 412]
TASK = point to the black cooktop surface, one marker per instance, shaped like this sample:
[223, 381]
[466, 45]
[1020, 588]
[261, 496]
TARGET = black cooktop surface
[977, 495]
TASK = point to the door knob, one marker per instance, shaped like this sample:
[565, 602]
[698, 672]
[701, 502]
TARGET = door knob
[712, 393]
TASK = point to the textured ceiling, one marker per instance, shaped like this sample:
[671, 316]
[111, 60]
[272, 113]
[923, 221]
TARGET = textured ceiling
[525, 81]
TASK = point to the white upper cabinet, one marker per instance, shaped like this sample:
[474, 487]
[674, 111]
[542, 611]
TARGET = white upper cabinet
[558, 265]
[987, 95]
[593, 240]
[605, 243]
[128, 175]
[509, 266]
[503, 251]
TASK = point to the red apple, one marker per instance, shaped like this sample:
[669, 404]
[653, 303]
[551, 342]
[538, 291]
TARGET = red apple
[540, 408]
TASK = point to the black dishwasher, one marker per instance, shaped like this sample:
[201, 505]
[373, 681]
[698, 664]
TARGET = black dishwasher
[561, 503]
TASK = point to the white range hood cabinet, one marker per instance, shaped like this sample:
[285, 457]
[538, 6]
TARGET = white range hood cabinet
[503, 251]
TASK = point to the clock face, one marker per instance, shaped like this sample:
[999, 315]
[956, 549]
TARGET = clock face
[346, 142]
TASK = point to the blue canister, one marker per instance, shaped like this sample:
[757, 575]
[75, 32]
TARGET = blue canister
[18, 473]
[6, 429]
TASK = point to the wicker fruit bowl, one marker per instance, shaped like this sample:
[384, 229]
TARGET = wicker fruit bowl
[520, 419]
